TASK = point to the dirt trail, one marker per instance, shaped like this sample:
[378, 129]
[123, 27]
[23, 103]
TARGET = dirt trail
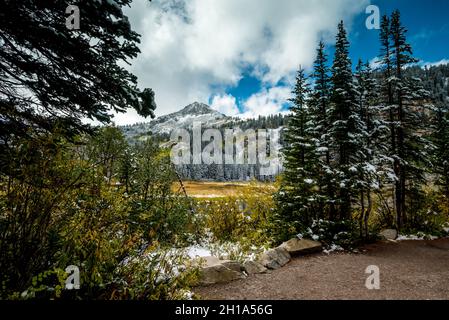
[408, 270]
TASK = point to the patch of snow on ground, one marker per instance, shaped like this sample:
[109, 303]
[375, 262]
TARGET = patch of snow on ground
[415, 237]
[223, 251]
[187, 294]
[445, 227]
[198, 252]
[333, 248]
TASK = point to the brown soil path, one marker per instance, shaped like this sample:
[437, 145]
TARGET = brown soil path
[408, 270]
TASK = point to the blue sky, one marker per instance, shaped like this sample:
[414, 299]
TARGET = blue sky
[427, 22]
[241, 56]
[428, 33]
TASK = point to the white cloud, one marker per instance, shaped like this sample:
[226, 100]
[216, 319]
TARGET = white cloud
[193, 50]
[266, 102]
[225, 104]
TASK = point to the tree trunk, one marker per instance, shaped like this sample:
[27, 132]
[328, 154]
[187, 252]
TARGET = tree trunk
[368, 212]
[362, 212]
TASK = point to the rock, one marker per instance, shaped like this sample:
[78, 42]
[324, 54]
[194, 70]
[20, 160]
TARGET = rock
[208, 261]
[218, 274]
[212, 261]
[253, 267]
[301, 246]
[233, 265]
[275, 258]
[214, 270]
[389, 234]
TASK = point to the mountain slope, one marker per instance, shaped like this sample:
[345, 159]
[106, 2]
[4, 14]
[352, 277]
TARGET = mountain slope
[164, 125]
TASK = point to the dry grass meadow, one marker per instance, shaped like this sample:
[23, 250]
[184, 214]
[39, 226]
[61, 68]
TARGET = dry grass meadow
[212, 189]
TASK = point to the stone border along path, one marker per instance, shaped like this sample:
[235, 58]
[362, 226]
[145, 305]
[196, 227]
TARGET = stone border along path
[408, 270]
[215, 271]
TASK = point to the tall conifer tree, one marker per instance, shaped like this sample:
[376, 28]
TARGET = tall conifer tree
[412, 153]
[297, 198]
[344, 122]
[320, 108]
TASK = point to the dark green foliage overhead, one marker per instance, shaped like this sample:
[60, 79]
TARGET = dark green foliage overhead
[51, 76]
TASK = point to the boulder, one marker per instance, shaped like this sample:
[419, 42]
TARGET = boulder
[214, 270]
[389, 234]
[218, 274]
[275, 258]
[233, 265]
[301, 246]
[253, 267]
[208, 261]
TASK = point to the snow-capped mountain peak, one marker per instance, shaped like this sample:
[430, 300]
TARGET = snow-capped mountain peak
[198, 108]
[182, 119]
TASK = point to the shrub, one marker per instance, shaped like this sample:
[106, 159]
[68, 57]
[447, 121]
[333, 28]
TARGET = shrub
[62, 206]
[243, 218]
[36, 186]
[432, 216]
[155, 275]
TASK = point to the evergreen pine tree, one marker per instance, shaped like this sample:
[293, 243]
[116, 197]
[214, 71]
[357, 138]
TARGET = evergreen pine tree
[51, 76]
[319, 108]
[441, 155]
[373, 164]
[296, 198]
[344, 123]
[386, 98]
[412, 153]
